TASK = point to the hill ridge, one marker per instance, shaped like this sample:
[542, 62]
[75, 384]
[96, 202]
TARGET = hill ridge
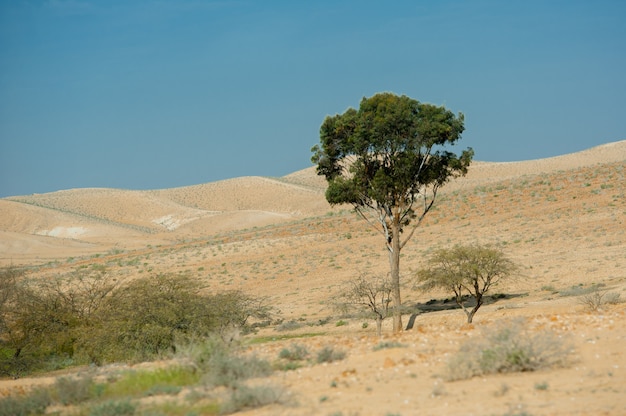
[112, 216]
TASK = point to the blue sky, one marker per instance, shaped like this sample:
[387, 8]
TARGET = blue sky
[139, 94]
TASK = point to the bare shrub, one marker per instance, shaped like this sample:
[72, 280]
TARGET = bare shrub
[371, 294]
[595, 300]
[508, 347]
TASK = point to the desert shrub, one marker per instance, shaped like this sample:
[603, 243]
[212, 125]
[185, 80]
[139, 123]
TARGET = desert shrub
[508, 347]
[388, 344]
[369, 295]
[329, 355]
[197, 354]
[233, 309]
[297, 352]
[246, 397]
[580, 290]
[45, 317]
[219, 366]
[289, 326]
[84, 317]
[74, 390]
[596, 299]
[113, 408]
[34, 403]
[145, 318]
[229, 370]
[150, 316]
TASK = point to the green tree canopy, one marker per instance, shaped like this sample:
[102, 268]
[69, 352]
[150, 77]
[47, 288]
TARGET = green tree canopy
[388, 159]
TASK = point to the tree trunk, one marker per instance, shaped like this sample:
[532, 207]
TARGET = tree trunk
[479, 302]
[394, 260]
[379, 326]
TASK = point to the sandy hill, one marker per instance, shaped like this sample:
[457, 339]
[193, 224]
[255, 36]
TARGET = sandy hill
[99, 219]
[563, 219]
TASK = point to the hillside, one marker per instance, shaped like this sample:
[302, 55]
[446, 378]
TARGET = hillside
[123, 219]
[562, 219]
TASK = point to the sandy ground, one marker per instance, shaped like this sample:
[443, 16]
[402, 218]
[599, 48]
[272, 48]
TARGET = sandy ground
[563, 219]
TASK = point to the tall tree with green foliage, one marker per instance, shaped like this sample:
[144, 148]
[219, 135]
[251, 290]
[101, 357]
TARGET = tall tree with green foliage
[389, 159]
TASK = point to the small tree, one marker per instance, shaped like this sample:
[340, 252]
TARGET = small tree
[466, 270]
[371, 293]
[388, 160]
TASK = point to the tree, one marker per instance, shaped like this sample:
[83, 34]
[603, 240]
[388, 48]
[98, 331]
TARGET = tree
[371, 293]
[388, 160]
[466, 270]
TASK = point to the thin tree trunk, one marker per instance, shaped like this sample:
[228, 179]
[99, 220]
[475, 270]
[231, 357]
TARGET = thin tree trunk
[379, 326]
[479, 302]
[394, 260]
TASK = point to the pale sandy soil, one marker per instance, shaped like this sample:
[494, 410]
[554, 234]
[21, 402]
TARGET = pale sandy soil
[563, 219]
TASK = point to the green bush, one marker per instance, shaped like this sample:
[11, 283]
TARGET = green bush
[508, 347]
[113, 408]
[34, 403]
[245, 397]
[297, 352]
[229, 370]
[85, 317]
[329, 355]
[74, 390]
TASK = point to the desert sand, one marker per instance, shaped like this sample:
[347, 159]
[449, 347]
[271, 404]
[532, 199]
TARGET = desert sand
[563, 219]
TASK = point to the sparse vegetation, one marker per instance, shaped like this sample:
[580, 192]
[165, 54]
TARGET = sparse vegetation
[329, 354]
[250, 397]
[297, 352]
[113, 408]
[371, 294]
[34, 403]
[74, 390]
[508, 347]
[573, 246]
[597, 298]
